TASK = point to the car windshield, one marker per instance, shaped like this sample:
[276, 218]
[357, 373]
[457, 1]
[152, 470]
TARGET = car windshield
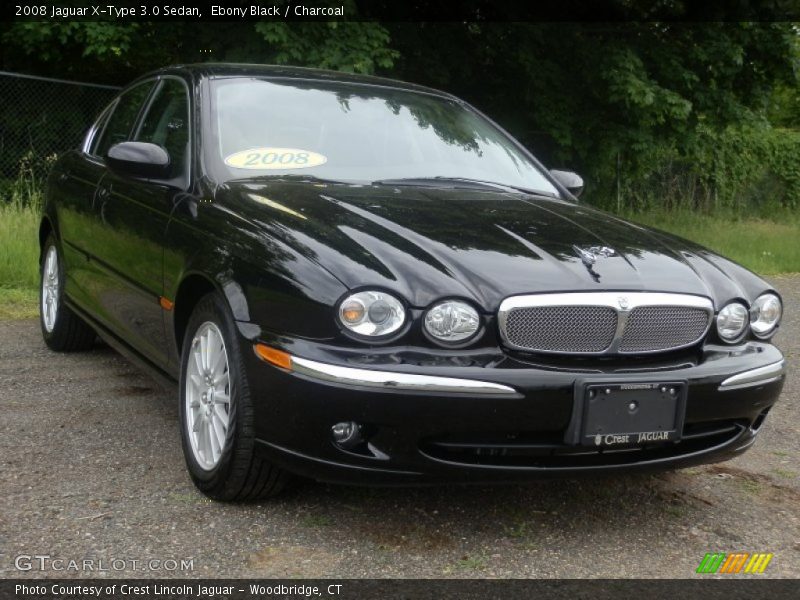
[359, 133]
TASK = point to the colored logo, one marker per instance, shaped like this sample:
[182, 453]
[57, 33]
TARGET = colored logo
[731, 564]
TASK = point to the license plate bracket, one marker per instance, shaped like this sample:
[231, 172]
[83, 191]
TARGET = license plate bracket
[618, 415]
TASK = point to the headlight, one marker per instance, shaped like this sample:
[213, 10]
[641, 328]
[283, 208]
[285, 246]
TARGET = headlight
[765, 314]
[372, 313]
[452, 321]
[732, 321]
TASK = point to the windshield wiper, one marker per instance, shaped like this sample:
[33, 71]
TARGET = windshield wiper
[465, 181]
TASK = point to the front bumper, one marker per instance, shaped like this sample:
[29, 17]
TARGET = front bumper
[477, 418]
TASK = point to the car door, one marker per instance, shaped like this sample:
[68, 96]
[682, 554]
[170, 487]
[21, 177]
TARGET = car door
[75, 185]
[133, 215]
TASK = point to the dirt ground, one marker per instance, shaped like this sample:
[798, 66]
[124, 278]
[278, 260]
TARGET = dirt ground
[91, 468]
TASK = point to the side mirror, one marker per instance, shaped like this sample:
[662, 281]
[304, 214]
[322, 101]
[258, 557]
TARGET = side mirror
[138, 159]
[572, 181]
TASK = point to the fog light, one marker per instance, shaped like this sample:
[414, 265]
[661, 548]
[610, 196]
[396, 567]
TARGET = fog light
[346, 433]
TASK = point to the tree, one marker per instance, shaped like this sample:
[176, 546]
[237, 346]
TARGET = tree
[583, 94]
[116, 52]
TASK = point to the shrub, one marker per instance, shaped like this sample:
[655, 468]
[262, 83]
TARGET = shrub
[751, 170]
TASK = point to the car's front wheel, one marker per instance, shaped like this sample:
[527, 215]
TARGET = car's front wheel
[62, 329]
[216, 411]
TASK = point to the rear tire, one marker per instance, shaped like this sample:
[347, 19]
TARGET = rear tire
[62, 329]
[216, 411]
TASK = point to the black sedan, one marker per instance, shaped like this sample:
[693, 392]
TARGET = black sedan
[360, 280]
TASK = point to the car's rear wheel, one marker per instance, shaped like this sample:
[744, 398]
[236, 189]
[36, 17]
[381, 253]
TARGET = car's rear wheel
[216, 411]
[62, 329]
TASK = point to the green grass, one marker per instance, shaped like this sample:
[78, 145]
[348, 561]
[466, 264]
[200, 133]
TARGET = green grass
[19, 261]
[768, 247]
[19, 246]
[18, 304]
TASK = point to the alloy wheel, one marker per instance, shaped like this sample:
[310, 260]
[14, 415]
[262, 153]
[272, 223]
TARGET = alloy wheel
[207, 395]
[50, 289]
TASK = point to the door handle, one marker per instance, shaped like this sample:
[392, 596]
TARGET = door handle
[100, 200]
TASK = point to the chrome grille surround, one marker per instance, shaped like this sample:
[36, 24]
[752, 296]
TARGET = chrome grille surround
[645, 323]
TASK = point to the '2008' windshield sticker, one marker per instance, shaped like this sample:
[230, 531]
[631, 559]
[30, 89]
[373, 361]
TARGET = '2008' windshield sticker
[275, 158]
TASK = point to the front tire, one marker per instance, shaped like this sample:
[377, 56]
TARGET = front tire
[62, 329]
[216, 411]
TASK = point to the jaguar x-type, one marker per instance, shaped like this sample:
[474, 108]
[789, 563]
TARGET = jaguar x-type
[355, 279]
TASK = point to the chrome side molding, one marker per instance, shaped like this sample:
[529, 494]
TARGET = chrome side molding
[753, 377]
[388, 380]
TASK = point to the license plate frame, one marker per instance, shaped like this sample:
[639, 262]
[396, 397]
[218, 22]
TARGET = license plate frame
[607, 418]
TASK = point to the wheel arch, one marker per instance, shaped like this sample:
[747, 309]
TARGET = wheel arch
[190, 290]
[45, 229]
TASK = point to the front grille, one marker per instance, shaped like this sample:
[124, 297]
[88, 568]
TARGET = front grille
[562, 328]
[603, 322]
[653, 328]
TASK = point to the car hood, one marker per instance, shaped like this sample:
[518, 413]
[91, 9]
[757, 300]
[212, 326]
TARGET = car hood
[426, 243]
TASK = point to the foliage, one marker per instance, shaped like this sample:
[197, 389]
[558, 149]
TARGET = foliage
[18, 303]
[19, 224]
[591, 96]
[101, 40]
[752, 169]
[26, 190]
[784, 103]
[19, 251]
[116, 51]
[353, 47]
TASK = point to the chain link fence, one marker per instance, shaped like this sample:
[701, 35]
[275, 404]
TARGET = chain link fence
[40, 118]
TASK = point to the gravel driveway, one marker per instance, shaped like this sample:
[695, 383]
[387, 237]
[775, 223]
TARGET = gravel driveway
[91, 468]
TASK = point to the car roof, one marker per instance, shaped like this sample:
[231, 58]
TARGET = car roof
[225, 70]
